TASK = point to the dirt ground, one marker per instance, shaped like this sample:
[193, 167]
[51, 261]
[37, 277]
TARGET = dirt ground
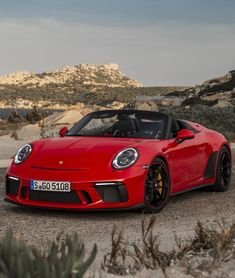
[180, 216]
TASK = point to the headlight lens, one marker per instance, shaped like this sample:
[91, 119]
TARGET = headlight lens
[125, 158]
[23, 154]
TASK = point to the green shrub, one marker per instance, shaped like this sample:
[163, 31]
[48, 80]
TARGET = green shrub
[222, 120]
[62, 260]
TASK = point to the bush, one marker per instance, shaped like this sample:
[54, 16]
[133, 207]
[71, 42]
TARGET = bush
[62, 260]
[222, 120]
[210, 246]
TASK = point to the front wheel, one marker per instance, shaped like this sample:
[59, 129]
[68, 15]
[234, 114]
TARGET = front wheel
[157, 186]
[223, 170]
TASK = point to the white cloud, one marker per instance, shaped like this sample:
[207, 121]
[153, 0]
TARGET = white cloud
[158, 55]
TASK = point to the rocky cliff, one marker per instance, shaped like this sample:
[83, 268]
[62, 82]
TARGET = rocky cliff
[216, 93]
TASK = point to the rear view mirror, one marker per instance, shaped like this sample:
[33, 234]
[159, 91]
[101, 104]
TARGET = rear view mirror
[185, 134]
[63, 131]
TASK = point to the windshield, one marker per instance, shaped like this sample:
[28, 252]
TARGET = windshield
[123, 123]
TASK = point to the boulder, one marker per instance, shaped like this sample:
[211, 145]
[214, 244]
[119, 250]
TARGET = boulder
[222, 104]
[15, 117]
[28, 133]
[36, 115]
[209, 92]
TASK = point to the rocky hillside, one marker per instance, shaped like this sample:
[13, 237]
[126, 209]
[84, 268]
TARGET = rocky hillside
[89, 84]
[211, 103]
[21, 87]
[218, 92]
[73, 78]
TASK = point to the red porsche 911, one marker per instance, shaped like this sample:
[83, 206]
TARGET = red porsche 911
[119, 159]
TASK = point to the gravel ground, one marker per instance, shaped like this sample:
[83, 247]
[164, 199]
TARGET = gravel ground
[180, 216]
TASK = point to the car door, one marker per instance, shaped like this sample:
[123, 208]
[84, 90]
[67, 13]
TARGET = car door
[188, 161]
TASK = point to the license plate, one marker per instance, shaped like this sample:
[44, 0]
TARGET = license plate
[50, 186]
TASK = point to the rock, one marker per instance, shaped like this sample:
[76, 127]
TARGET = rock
[36, 115]
[218, 96]
[149, 105]
[15, 117]
[29, 133]
[233, 93]
[171, 101]
[217, 92]
[220, 84]
[223, 104]
[52, 124]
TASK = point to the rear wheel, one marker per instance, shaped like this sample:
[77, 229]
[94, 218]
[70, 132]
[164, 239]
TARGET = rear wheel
[223, 170]
[157, 186]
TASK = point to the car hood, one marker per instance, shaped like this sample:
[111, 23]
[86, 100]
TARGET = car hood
[78, 152]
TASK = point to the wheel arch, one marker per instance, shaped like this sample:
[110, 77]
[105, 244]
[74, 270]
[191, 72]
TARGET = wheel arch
[212, 162]
[163, 159]
[224, 144]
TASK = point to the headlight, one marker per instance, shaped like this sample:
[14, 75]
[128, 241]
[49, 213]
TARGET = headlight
[125, 158]
[23, 154]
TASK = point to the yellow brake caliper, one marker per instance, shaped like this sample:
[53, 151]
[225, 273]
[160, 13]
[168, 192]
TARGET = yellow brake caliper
[159, 183]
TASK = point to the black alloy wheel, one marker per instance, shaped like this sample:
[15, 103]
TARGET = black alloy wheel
[157, 186]
[223, 171]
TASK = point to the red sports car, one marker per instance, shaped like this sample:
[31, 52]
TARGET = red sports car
[119, 159]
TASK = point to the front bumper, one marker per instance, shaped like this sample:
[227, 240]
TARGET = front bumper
[119, 189]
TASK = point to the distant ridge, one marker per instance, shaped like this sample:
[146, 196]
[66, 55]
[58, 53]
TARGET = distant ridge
[72, 78]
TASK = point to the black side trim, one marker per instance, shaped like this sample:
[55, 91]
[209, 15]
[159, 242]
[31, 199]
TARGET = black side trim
[192, 189]
[112, 193]
[210, 167]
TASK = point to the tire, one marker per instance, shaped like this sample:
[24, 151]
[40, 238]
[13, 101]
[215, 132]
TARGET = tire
[157, 187]
[223, 170]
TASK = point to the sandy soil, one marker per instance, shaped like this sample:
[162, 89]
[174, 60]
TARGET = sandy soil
[179, 217]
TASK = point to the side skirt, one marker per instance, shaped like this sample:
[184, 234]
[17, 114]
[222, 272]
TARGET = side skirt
[210, 166]
[191, 189]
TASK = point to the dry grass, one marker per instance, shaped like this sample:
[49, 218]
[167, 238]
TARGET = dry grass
[206, 251]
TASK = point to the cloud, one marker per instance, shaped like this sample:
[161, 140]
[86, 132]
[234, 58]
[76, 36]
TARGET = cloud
[163, 54]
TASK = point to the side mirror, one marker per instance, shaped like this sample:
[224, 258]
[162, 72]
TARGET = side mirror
[63, 131]
[184, 134]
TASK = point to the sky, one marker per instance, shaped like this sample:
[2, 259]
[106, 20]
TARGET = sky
[158, 42]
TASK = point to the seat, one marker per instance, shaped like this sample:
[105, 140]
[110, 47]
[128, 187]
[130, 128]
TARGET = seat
[125, 126]
[150, 129]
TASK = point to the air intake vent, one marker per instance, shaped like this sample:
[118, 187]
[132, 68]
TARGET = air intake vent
[54, 197]
[12, 186]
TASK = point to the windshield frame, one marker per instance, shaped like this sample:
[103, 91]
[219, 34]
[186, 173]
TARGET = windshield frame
[111, 113]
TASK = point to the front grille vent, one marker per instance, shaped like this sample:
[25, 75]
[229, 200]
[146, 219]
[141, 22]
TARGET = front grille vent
[54, 197]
